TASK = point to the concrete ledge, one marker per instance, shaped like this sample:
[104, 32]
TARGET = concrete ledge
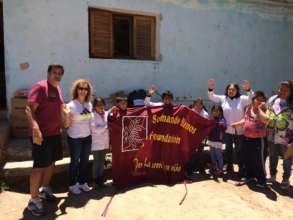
[23, 168]
[20, 149]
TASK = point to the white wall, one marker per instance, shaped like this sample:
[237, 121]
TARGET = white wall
[198, 40]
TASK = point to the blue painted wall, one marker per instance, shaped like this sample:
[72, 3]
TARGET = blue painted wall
[224, 40]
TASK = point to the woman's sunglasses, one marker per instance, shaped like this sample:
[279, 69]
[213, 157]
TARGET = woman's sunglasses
[83, 88]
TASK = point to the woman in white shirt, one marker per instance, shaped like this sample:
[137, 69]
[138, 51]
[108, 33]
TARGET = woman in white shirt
[79, 135]
[233, 104]
[100, 139]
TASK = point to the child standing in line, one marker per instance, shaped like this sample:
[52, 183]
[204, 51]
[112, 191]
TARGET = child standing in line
[255, 141]
[100, 140]
[215, 140]
[196, 162]
[198, 107]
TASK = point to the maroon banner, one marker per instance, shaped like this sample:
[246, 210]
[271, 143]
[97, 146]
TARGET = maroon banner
[153, 144]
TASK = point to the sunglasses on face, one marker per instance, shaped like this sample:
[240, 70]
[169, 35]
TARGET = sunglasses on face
[83, 88]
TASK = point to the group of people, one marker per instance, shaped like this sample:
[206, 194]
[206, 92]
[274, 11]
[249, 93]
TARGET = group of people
[246, 121]
[257, 127]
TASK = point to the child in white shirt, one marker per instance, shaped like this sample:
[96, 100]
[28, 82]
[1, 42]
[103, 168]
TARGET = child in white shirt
[100, 140]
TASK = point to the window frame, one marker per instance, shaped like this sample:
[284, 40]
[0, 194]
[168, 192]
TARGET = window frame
[132, 14]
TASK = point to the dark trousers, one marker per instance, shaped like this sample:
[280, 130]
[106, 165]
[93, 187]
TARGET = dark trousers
[98, 163]
[80, 149]
[229, 139]
[196, 161]
[275, 151]
[255, 153]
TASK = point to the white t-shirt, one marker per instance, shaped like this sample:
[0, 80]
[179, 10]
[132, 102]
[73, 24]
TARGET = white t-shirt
[148, 103]
[277, 104]
[204, 114]
[215, 144]
[82, 115]
[100, 131]
[233, 108]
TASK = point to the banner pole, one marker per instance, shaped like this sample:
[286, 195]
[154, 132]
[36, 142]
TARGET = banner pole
[104, 214]
[185, 194]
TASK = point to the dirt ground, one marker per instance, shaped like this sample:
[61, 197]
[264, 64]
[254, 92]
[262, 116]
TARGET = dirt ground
[207, 198]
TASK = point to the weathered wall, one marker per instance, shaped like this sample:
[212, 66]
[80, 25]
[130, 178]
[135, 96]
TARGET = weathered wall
[202, 39]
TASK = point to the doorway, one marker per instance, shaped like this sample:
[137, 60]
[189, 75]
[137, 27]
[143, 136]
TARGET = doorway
[3, 103]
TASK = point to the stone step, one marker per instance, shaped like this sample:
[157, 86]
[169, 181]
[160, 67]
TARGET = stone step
[23, 168]
[19, 149]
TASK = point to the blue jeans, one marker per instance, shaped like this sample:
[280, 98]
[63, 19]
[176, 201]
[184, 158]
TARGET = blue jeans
[217, 157]
[276, 150]
[229, 139]
[80, 149]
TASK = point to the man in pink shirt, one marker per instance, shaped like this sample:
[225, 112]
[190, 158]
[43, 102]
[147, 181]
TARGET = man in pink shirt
[45, 106]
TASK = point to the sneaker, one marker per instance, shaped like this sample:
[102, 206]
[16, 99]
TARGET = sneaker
[75, 189]
[285, 184]
[250, 179]
[84, 187]
[47, 194]
[272, 179]
[202, 172]
[100, 182]
[229, 169]
[246, 180]
[35, 206]
[219, 172]
[261, 184]
[212, 170]
[243, 180]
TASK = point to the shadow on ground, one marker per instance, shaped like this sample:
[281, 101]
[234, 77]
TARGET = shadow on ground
[60, 185]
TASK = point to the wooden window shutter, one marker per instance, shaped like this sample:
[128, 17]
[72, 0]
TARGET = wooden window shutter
[144, 37]
[100, 33]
